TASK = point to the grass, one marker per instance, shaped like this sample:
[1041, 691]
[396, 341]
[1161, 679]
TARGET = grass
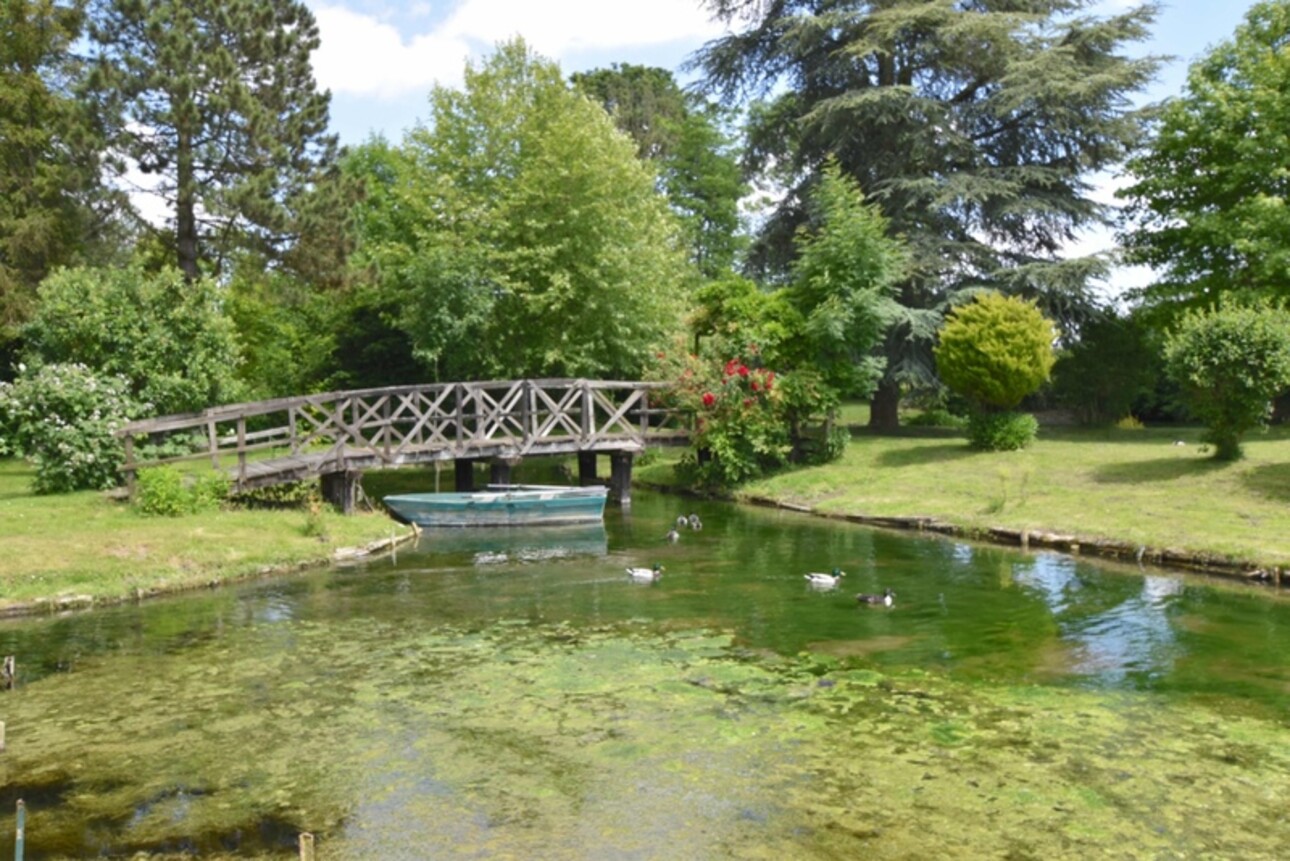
[79, 546]
[1131, 486]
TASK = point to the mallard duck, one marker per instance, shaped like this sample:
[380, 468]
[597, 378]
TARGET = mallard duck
[645, 575]
[825, 581]
[672, 536]
[886, 598]
[694, 521]
[682, 521]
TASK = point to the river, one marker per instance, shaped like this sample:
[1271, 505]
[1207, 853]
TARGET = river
[493, 695]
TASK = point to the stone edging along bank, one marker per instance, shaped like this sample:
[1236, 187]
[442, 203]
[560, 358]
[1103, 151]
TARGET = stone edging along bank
[1026, 538]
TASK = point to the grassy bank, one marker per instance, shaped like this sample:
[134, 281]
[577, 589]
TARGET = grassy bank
[74, 548]
[1136, 487]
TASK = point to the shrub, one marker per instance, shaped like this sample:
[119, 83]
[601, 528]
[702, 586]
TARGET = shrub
[1112, 367]
[63, 418]
[995, 350]
[1230, 362]
[1001, 431]
[167, 492]
[935, 417]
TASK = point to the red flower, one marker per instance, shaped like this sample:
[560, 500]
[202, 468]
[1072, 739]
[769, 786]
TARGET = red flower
[709, 399]
[731, 366]
[743, 370]
[756, 386]
[748, 402]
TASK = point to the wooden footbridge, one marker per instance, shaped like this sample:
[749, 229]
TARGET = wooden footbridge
[336, 436]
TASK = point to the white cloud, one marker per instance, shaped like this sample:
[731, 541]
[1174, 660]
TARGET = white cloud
[362, 55]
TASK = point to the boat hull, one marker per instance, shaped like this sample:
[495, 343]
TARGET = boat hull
[510, 505]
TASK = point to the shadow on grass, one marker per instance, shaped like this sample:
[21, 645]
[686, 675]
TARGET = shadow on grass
[926, 454]
[1271, 481]
[1160, 469]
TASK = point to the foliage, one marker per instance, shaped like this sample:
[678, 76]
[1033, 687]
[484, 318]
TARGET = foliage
[286, 333]
[1114, 365]
[937, 417]
[292, 494]
[1231, 362]
[216, 101]
[63, 418]
[1001, 431]
[973, 126]
[521, 233]
[738, 433]
[164, 491]
[732, 312]
[682, 135]
[51, 206]
[1208, 201]
[995, 350]
[172, 340]
[841, 284]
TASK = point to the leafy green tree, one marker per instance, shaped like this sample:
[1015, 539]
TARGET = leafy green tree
[171, 339]
[683, 136]
[1230, 362]
[51, 206]
[843, 280]
[1115, 363]
[1208, 201]
[994, 351]
[973, 126]
[521, 232]
[216, 100]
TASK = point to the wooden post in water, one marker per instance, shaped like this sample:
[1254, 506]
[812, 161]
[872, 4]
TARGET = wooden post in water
[19, 834]
[620, 478]
[9, 672]
[464, 469]
[586, 468]
[306, 847]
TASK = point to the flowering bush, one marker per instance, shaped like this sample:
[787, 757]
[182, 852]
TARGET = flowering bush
[739, 430]
[63, 418]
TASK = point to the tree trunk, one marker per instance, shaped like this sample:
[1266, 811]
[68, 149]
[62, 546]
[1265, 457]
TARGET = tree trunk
[884, 407]
[186, 207]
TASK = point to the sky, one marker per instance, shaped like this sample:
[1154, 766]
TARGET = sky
[381, 58]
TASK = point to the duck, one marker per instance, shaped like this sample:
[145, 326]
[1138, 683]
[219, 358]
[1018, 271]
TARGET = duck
[645, 575]
[682, 521]
[672, 536]
[825, 581]
[886, 598]
[695, 523]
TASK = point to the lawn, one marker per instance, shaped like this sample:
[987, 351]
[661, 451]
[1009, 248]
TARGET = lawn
[84, 545]
[1140, 487]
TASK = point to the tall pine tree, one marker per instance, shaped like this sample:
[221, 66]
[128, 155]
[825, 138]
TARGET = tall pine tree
[973, 124]
[216, 101]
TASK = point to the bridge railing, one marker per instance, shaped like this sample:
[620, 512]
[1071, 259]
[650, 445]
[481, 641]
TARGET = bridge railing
[407, 424]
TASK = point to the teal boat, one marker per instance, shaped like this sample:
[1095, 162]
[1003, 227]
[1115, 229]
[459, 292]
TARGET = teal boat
[502, 505]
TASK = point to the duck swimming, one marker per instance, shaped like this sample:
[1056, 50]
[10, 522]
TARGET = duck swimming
[825, 581]
[682, 521]
[886, 598]
[672, 536]
[645, 575]
[694, 521]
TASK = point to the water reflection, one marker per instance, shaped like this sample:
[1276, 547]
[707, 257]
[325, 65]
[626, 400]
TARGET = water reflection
[1132, 639]
[519, 544]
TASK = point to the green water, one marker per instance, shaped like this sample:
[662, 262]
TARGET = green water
[499, 695]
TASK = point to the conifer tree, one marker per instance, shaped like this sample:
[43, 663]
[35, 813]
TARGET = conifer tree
[974, 126]
[216, 101]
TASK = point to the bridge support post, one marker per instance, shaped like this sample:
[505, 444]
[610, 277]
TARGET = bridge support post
[499, 469]
[620, 477]
[586, 468]
[341, 489]
[464, 475]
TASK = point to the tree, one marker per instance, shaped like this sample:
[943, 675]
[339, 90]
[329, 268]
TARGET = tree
[51, 208]
[994, 351]
[972, 125]
[1115, 363]
[1230, 362]
[842, 285]
[216, 100]
[171, 339]
[682, 135]
[522, 233]
[1209, 197]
